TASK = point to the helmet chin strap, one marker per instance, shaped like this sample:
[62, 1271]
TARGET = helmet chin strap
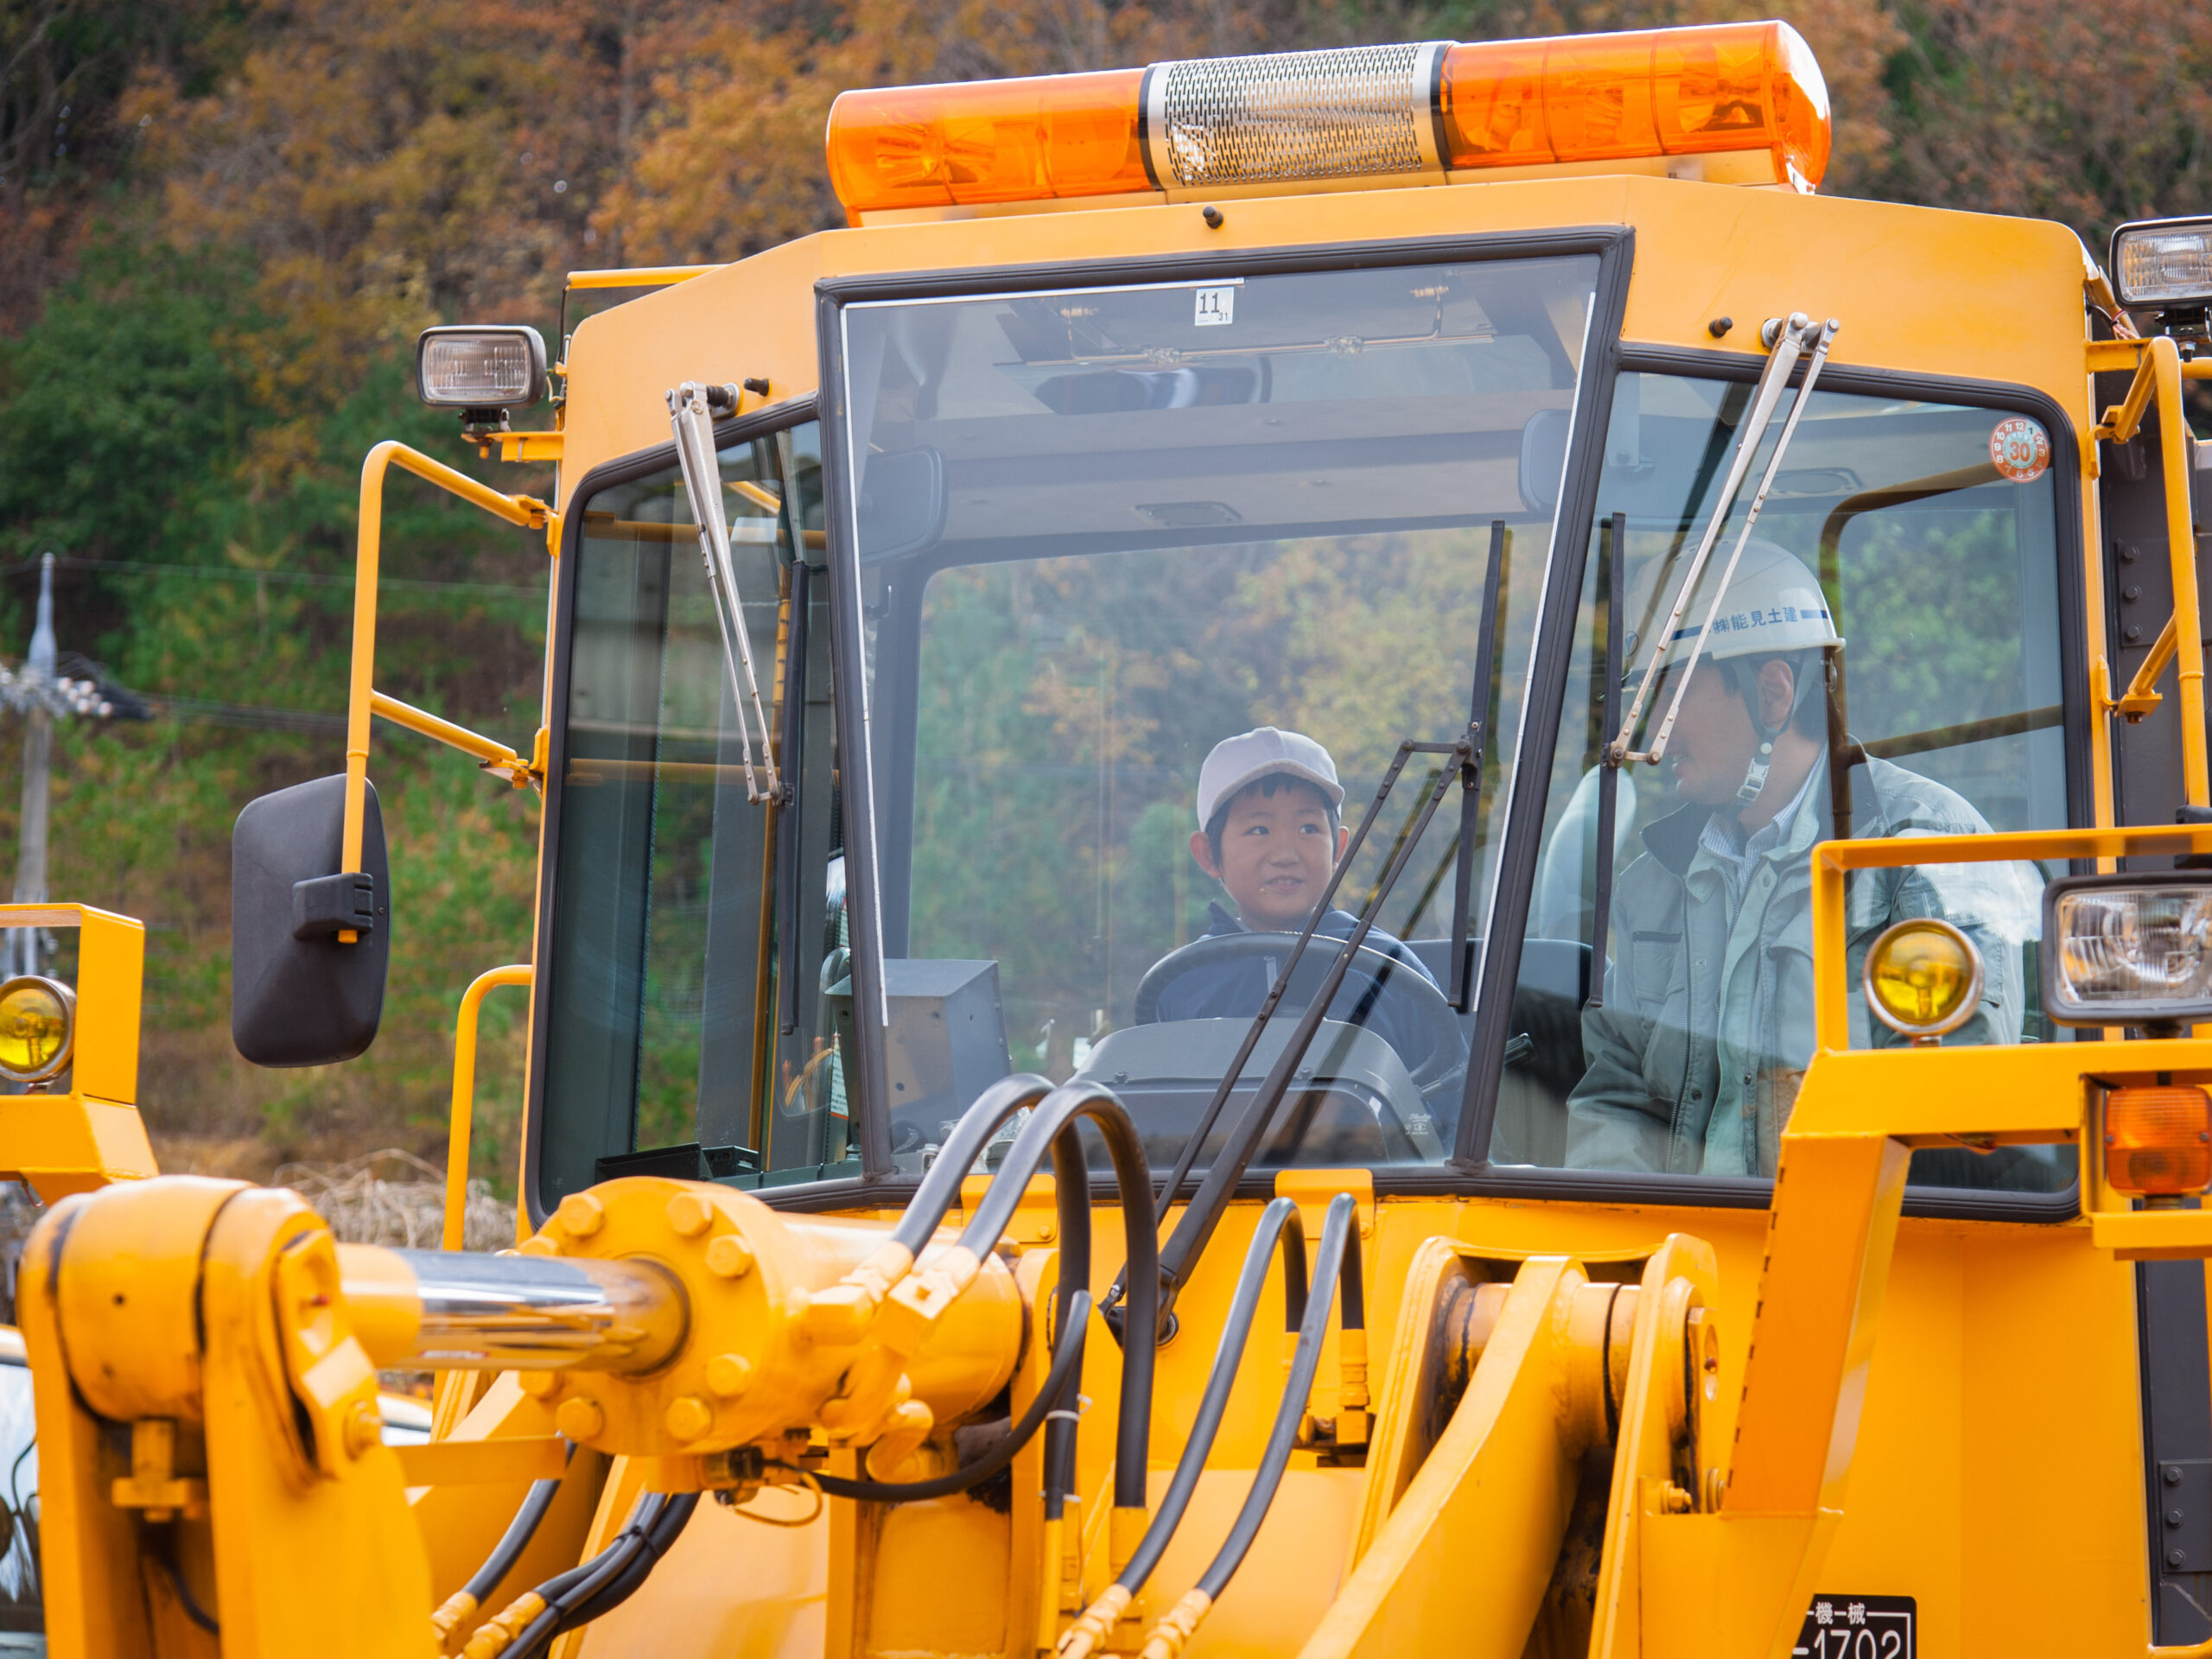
[1754, 783]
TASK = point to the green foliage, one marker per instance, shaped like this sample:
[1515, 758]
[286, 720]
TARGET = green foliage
[125, 407]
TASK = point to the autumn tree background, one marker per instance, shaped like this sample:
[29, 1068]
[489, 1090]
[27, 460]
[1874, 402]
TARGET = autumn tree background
[222, 223]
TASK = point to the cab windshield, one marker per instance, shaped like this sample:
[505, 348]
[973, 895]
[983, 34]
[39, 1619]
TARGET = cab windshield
[1124, 553]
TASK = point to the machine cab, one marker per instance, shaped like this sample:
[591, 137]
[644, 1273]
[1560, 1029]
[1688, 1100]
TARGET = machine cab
[1042, 511]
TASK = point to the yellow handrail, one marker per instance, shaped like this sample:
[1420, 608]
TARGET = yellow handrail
[1832, 859]
[524, 510]
[464, 1093]
[2159, 374]
[495, 756]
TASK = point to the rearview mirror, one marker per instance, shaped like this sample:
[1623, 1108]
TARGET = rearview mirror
[902, 502]
[299, 997]
[1543, 458]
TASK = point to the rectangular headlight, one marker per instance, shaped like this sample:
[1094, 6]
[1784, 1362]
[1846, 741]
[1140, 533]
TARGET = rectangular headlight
[470, 367]
[2162, 261]
[2127, 949]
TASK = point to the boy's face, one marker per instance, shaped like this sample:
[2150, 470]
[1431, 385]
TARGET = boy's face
[1276, 853]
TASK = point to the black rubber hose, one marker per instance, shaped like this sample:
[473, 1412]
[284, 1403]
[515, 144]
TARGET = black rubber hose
[1279, 1221]
[576, 1586]
[520, 1530]
[1339, 1235]
[1067, 1363]
[1071, 1180]
[1055, 1120]
[658, 1539]
[941, 1185]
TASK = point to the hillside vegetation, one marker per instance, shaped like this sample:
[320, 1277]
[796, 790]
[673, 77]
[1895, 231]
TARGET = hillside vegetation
[223, 222]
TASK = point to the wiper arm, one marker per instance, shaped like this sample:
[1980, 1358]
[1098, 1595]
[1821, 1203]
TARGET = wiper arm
[1787, 347]
[691, 408]
[1790, 340]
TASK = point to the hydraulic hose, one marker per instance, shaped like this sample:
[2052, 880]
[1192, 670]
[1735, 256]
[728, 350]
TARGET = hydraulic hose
[1279, 1221]
[582, 1593]
[501, 1561]
[1339, 1250]
[663, 1533]
[504, 1554]
[1052, 1129]
[940, 1186]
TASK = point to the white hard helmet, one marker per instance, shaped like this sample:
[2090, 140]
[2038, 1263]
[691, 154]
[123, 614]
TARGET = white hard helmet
[1773, 606]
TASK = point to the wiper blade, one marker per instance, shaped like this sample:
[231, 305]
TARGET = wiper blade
[691, 408]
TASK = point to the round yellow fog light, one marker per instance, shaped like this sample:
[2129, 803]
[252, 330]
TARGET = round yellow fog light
[38, 1028]
[1923, 977]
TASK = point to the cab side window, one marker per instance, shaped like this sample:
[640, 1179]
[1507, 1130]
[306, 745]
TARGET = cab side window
[1883, 661]
[697, 928]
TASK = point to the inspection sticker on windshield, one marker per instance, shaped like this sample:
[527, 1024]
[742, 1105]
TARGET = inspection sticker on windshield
[1858, 1627]
[2019, 449]
[1216, 308]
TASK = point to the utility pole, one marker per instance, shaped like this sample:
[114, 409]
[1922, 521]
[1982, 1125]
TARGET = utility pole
[40, 694]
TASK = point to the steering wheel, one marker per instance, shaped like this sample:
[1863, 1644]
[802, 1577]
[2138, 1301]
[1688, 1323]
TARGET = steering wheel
[1374, 972]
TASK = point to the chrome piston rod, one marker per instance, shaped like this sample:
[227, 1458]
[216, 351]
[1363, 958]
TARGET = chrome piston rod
[470, 1312]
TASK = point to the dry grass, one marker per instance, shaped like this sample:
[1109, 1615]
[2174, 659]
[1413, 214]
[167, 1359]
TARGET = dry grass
[394, 1198]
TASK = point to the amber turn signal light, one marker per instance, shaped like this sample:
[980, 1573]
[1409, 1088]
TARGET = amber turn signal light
[2159, 1140]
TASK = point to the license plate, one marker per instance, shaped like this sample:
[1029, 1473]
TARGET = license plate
[1858, 1627]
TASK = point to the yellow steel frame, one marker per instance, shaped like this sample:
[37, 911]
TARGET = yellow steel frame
[1841, 1177]
[72, 1142]
[524, 512]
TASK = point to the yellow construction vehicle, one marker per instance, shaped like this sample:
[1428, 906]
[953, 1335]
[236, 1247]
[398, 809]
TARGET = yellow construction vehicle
[1404, 690]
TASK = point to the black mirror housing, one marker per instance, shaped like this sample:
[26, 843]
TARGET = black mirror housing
[299, 997]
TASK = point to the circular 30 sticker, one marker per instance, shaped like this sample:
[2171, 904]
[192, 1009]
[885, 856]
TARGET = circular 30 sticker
[2019, 450]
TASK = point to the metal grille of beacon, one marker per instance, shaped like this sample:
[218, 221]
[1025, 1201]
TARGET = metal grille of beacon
[1356, 112]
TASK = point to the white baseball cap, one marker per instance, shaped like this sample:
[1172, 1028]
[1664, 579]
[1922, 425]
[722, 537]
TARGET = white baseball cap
[1267, 752]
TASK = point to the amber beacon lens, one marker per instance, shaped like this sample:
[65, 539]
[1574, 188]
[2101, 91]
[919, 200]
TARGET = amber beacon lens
[37, 1021]
[1923, 977]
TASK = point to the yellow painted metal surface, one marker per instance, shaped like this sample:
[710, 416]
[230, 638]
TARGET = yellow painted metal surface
[1702, 251]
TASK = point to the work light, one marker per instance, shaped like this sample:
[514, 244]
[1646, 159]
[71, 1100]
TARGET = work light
[38, 1028]
[485, 368]
[1924, 978]
[2164, 265]
[2127, 949]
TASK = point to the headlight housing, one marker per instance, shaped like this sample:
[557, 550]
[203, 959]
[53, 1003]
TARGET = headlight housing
[38, 1028]
[2127, 949]
[493, 367]
[2162, 264]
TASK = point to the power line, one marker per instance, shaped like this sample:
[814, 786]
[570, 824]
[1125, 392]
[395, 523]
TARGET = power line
[298, 578]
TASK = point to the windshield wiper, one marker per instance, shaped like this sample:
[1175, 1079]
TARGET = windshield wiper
[1790, 340]
[1789, 346]
[691, 408]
